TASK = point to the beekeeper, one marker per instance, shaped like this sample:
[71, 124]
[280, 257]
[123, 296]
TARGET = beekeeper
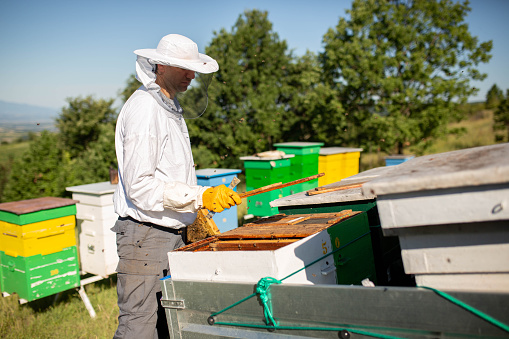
[157, 195]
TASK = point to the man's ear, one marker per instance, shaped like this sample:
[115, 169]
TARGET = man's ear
[161, 69]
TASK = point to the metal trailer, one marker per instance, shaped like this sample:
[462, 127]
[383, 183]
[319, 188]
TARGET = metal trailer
[328, 311]
[452, 205]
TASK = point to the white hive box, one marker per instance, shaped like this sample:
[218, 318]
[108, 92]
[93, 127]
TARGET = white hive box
[451, 214]
[280, 245]
[95, 217]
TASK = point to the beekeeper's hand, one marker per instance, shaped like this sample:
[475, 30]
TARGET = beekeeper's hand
[218, 198]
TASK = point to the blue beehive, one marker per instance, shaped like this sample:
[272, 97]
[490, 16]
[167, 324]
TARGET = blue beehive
[226, 220]
[392, 160]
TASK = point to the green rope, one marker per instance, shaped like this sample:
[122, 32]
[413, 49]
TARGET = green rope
[264, 284]
[475, 311]
[261, 289]
[288, 276]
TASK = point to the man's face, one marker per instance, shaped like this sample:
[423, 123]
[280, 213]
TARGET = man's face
[176, 80]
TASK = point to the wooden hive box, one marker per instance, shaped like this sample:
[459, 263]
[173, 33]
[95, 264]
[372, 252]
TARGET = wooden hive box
[38, 254]
[281, 247]
[39, 275]
[37, 226]
[95, 218]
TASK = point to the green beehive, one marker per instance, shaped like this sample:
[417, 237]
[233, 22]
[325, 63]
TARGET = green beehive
[354, 259]
[304, 164]
[35, 210]
[264, 171]
[39, 276]
[38, 256]
[1, 276]
[386, 249]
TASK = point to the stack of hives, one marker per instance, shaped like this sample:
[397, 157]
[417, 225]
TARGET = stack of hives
[38, 255]
[304, 163]
[95, 217]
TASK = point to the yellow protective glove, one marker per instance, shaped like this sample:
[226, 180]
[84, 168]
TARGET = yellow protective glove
[218, 198]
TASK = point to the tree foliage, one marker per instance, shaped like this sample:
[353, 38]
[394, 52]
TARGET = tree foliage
[81, 152]
[41, 171]
[132, 84]
[501, 119]
[247, 109]
[79, 122]
[401, 68]
[318, 114]
[494, 97]
[391, 76]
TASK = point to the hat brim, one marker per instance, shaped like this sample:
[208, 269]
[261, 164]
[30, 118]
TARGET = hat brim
[204, 64]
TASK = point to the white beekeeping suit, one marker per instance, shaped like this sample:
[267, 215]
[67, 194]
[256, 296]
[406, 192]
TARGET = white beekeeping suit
[157, 195]
[157, 179]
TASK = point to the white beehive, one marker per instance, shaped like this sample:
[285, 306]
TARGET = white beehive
[95, 217]
[451, 214]
[281, 245]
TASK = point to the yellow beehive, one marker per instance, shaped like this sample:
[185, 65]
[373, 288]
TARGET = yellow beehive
[43, 237]
[337, 163]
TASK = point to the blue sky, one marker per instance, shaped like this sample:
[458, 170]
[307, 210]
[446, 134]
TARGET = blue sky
[55, 49]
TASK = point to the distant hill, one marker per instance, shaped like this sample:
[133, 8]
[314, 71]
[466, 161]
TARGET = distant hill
[12, 113]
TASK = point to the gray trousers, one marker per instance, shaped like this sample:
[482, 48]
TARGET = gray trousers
[143, 260]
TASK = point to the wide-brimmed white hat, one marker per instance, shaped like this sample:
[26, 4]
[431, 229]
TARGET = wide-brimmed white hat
[179, 51]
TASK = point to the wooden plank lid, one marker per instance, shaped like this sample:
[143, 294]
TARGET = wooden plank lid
[33, 205]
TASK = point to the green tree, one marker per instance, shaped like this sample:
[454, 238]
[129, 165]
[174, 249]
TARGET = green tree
[93, 165]
[132, 84]
[79, 122]
[41, 171]
[247, 109]
[401, 68]
[80, 153]
[501, 119]
[318, 113]
[493, 97]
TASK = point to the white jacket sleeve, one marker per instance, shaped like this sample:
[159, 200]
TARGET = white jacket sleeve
[181, 197]
[149, 187]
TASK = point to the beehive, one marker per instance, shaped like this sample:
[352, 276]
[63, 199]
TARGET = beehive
[449, 212]
[263, 171]
[281, 245]
[43, 237]
[96, 216]
[303, 164]
[337, 163]
[40, 275]
[38, 255]
[227, 219]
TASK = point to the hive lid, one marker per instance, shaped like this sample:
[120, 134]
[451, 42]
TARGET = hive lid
[338, 150]
[477, 166]
[215, 172]
[97, 188]
[34, 205]
[256, 158]
[349, 195]
[298, 144]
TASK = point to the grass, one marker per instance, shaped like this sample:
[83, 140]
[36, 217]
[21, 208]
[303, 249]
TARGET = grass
[67, 317]
[62, 317]
[477, 131]
[13, 150]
